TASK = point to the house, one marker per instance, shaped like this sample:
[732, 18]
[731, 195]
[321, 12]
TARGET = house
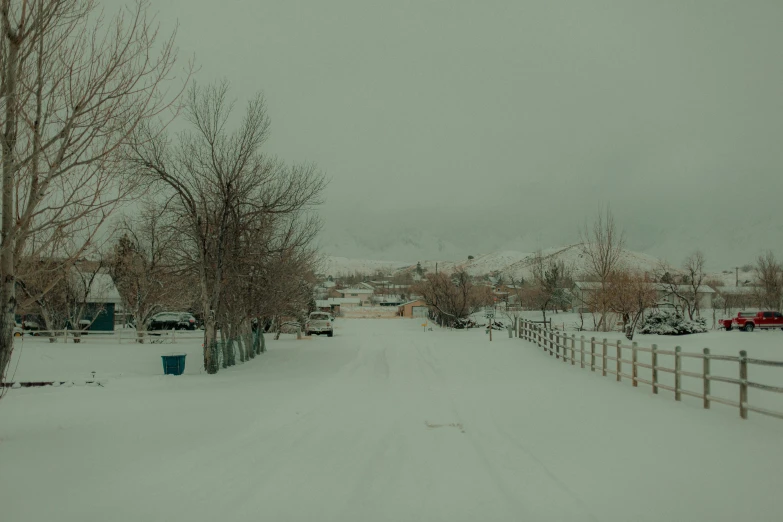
[362, 294]
[102, 299]
[387, 300]
[413, 309]
[331, 307]
[668, 295]
[741, 297]
[344, 302]
[583, 292]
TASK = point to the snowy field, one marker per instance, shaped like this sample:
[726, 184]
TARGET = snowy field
[385, 421]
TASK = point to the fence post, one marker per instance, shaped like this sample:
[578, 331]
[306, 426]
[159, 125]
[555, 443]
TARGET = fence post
[619, 356]
[551, 344]
[582, 351]
[603, 365]
[706, 373]
[654, 365]
[573, 345]
[743, 377]
[592, 354]
[677, 376]
[634, 359]
[557, 345]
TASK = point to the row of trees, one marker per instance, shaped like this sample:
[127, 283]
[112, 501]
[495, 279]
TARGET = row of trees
[243, 219]
[453, 296]
[87, 103]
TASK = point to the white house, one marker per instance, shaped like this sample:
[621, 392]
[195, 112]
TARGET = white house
[362, 294]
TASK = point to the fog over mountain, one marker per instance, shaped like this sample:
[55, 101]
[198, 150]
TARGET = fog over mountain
[454, 128]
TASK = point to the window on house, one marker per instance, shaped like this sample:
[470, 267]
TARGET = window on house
[354, 295]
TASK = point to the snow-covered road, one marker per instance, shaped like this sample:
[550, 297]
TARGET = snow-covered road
[382, 422]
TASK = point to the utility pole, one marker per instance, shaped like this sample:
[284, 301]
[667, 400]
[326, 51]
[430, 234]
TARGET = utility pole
[736, 276]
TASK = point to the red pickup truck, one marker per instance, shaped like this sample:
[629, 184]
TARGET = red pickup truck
[748, 321]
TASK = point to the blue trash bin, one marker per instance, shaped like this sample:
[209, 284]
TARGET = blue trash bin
[173, 363]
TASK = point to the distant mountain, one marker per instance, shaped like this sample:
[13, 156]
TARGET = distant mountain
[342, 266]
[509, 263]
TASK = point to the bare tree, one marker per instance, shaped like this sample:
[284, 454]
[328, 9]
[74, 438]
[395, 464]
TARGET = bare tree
[453, 296]
[73, 298]
[73, 87]
[143, 267]
[602, 248]
[220, 181]
[769, 275]
[551, 278]
[631, 293]
[688, 287]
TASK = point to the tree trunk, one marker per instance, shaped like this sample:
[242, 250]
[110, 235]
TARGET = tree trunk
[141, 330]
[8, 287]
[210, 343]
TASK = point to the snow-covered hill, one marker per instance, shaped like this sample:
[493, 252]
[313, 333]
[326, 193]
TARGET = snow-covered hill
[510, 263]
[340, 266]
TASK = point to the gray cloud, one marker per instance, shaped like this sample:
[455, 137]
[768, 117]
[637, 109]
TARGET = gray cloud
[450, 128]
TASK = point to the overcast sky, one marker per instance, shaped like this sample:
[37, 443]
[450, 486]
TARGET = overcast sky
[458, 127]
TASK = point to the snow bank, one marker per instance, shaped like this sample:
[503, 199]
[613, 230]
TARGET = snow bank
[385, 421]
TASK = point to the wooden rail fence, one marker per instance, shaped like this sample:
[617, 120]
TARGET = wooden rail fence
[561, 346]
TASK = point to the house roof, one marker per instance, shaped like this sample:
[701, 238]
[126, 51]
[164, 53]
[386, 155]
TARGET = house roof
[344, 300]
[735, 290]
[414, 301]
[703, 289]
[355, 291]
[587, 285]
[102, 288]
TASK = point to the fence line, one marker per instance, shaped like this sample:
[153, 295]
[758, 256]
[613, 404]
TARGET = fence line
[124, 335]
[552, 341]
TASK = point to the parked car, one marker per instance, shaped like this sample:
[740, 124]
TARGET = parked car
[766, 320]
[319, 323]
[18, 330]
[172, 321]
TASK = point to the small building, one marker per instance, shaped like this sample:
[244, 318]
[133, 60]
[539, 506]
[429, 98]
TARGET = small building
[668, 295]
[387, 300]
[344, 302]
[101, 302]
[328, 307]
[362, 294]
[413, 309]
[739, 297]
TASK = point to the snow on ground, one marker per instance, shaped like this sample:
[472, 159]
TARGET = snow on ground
[384, 421]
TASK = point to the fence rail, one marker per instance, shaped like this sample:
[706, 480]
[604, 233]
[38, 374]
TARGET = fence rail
[553, 341]
[122, 336]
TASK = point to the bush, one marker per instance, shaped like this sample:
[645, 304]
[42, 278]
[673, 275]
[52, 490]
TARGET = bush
[664, 322]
